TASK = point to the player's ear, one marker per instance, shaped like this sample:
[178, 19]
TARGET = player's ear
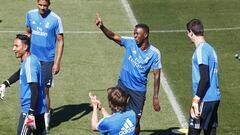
[26, 47]
[191, 33]
[145, 35]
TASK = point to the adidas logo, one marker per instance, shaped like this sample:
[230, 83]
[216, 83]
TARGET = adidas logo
[127, 128]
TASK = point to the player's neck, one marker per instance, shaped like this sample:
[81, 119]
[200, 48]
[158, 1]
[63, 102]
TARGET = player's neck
[199, 40]
[145, 45]
[45, 14]
[25, 55]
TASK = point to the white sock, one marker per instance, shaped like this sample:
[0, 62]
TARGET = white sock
[47, 118]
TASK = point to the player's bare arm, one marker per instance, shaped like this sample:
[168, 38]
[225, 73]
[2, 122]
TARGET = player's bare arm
[60, 47]
[104, 112]
[96, 106]
[28, 31]
[109, 34]
[156, 102]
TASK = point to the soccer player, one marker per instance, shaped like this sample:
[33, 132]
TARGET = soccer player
[139, 58]
[45, 27]
[32, 96]
[206, 93]
[121, 121]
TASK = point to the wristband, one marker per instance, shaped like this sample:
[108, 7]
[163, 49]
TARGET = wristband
[7, 83]
[31, 111]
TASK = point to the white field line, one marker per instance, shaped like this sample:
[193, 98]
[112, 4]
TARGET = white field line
[181, 118]
[127, 32]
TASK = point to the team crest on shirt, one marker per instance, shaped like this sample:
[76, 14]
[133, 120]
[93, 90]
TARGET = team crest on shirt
[47, 25]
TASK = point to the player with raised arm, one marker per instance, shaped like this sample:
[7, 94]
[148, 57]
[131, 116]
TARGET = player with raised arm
[140, 57]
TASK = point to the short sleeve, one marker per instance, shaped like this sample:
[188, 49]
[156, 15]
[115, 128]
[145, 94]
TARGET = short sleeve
[59, 26]
[202, 55]
[27, 23]
[157, 60]
[31, 68]
[127, 41]
[103, 126]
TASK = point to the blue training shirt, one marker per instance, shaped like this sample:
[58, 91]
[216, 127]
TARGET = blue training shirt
[205, 54]
[119, 123]
[137, 64]
[31, 72]
[44, 32]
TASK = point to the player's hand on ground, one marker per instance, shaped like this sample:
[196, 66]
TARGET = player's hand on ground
[55, 68]
[98, 22]
[156, 104]
[194, 111]
[2, 90]
[30, 121]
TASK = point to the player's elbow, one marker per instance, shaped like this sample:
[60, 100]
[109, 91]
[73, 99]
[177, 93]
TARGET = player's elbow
[94, 127]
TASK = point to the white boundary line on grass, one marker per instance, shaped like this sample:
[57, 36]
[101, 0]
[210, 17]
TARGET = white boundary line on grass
[126, 32]
[166, 87]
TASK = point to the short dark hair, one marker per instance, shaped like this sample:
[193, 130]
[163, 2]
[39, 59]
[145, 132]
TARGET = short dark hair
[144, 27]
[196, 26]
[117, 99]
[48, 1]
[25, 39]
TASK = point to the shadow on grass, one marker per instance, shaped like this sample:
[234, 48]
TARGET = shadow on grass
[69, 112]
[160, 131]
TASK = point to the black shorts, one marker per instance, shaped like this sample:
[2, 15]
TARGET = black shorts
[47, 73]
[136, 99]
[40, 125]
[209, 116]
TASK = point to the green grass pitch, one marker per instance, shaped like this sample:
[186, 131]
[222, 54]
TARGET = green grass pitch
[91, 62]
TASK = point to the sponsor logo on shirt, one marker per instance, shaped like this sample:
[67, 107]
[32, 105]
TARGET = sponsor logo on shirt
[135, 62]
[127, 128]
[39, 32]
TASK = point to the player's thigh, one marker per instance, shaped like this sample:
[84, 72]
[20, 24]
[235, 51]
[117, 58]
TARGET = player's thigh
[209, 116]
[136, 101]
[47, 73]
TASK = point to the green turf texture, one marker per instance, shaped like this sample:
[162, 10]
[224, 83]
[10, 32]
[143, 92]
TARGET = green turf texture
[177, 50]
[91, 62]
